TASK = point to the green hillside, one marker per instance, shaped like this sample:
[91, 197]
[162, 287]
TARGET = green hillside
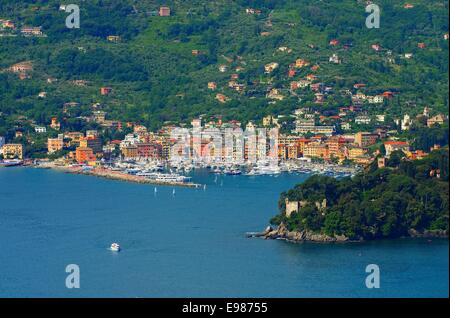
[156, 78]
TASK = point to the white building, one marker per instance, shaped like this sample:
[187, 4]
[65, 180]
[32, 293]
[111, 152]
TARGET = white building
[334, 59]
[362, 120]
[406, 122]
[346, 126]
[40, 129]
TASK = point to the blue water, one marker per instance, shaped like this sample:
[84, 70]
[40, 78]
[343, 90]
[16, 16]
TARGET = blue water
[190, 244]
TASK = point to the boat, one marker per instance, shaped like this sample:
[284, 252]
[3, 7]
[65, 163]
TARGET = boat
[115, 247]
[233, 172]
[11, 163]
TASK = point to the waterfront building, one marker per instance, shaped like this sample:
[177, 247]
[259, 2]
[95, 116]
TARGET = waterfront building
[130, 152]
[2, 141]
[149, 150]
[93, 143]
[316, 150]
[12, 151]
[84, 154]
[54, 145]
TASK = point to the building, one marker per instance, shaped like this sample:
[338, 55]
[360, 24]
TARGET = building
[84, 154]
[31, 31]
[392, 146]
[22, 67]
[7, 24]
[365, 139]
[355, 152]
[2, 141]
[164, 11]
[130, 151]
[438, 119]
[308, 126]
[105, 90]
[12, 151]
[346, 126]
[149, 150]
[54, 145]
[269, 68]
[55, 123]
[362, 120]
[381, 162]
[40, 129]
[316, 150]
[299, 63]
[113, 38]
[94, 143]
[74, 136]
[212, 86]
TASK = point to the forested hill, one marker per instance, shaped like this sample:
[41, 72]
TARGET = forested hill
[160, 67]
[403, 199]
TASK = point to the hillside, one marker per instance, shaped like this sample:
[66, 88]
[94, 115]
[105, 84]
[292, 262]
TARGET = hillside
[156, 76]
[407, 198]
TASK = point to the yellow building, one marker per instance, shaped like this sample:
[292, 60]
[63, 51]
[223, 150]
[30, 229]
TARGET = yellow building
[130, 151]
[54, 145]
[316, 150]
[12, 151]
[355, 152]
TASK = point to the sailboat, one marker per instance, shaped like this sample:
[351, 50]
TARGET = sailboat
[156, 190]
[173, 192]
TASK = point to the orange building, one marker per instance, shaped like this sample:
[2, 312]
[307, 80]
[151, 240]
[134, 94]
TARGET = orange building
[164, 12]
[316, 150]
[84, 154]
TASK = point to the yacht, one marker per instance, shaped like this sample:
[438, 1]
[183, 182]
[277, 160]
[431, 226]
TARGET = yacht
[115, 247]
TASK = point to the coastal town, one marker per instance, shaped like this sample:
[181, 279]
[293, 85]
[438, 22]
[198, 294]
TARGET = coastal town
[312, 138]
[143, 155]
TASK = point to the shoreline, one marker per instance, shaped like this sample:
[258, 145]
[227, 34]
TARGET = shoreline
[115, 175]
[281, 233]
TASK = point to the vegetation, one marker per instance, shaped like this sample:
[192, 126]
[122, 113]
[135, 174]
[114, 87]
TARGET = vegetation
[156, 78]
[379, 203]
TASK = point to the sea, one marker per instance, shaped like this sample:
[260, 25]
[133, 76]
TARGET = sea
[56, 230]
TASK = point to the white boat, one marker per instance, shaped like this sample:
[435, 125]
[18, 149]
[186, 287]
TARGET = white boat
[115, 247]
